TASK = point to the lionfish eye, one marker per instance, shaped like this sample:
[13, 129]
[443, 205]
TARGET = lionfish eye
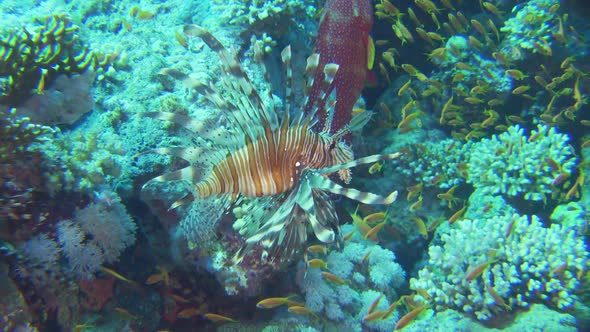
[332, 145]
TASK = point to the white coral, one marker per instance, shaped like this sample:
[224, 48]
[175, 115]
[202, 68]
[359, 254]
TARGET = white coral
[525, 267]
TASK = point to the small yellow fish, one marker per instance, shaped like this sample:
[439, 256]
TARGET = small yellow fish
[81, 327]
[455, 22]
[188, 313]
[372, 233]
[317, 263]
[375, 168]
[330, 277]
[404, 87]
[375, 217]
[42, 82]
[366, 256]
[144, 14]
[158, 277]
[427, 6]
[318, 248]
[115, 274]
[421, 226]
[473, 100]
[126, 25]
[414, 190]
[181, 40]
[218, 318]
[273, 302]
[374, 304]
[492, 9]
[300, 310]
[373, 316]
[409, 317]
[498, 298]
[521, 89]
[494, 29]
[479, 27]
[417, 204]
[413, 17]
[478, 270]
[370, 54]
[125, 313]
[449, 196]
[177, 298]
[515, 74]
[457, 215]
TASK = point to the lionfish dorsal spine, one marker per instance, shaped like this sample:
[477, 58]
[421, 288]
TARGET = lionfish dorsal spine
[248, 111]
[313, 62]
[286, 59]
[327, 95]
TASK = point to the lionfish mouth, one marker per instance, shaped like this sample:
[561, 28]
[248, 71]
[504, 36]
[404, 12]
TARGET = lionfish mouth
[278, 157]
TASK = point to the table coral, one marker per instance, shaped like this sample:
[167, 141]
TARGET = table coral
[519, 261]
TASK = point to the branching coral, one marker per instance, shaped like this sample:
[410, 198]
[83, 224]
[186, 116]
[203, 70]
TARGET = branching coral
[437, 163]
[32, 59]
[530, 28]
[489, 266]
[365, 280]
[19, 164]
[513, 164]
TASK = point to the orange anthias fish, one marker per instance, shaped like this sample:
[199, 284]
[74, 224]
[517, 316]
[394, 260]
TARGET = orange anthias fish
[343, 38]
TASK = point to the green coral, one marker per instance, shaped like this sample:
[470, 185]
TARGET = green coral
[83, 160]
[16, 136]
[31, 59]
[271, 14]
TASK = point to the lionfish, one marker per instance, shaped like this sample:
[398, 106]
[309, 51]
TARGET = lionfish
[276, 154]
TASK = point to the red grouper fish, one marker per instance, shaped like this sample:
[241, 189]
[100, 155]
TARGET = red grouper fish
[343, 38]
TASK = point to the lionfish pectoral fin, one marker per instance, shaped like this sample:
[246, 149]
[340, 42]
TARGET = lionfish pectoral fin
[324, 234]
[361, 161]
[190, 154]
[276, 220]
[357, 195]
[190, 173]
[184, 200]
[328, 228]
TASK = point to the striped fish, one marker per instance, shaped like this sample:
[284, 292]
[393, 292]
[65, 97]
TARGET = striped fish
[277, 157]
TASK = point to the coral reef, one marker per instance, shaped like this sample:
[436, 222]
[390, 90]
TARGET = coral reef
[368, 271]
[489, 266]
[20, 165]
[513, 164]
[33, 59]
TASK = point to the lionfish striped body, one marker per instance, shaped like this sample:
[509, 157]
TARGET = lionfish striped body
[277, 155]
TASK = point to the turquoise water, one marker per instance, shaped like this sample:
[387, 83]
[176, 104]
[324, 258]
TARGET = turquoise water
[294, 165]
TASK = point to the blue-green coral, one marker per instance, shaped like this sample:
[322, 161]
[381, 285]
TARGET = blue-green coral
[369, 271]
[530, 28]
[524, 262]
[515, 165]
